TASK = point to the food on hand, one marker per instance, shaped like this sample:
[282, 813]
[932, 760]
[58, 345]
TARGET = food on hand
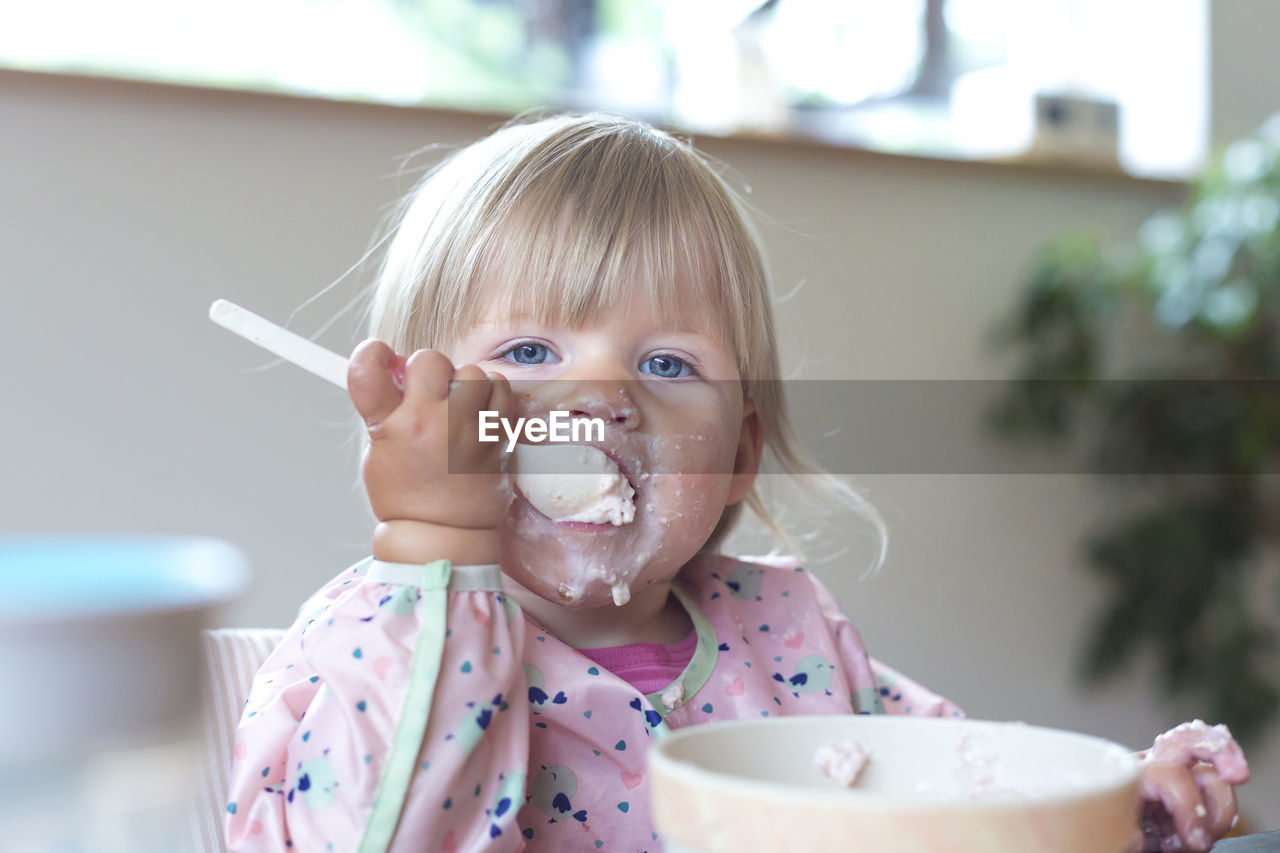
[1196, 738]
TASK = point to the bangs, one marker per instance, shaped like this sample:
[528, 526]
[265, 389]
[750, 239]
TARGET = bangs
[582, 221]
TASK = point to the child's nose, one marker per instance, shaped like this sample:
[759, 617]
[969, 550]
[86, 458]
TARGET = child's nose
[609, 400]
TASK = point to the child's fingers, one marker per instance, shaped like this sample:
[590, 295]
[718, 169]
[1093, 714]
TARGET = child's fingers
[469, 390]
[500, 397]
[468, 394]
[426, 378]
[369, 382]
[1175, 788]
[1190, 743]
[1219, 799]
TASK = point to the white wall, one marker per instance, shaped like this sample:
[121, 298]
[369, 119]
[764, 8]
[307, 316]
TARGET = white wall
[125, 209]
[1243, 84]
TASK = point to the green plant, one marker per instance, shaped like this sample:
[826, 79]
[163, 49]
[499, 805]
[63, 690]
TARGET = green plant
[1193, 306]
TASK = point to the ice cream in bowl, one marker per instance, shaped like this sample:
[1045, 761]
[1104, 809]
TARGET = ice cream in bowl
[891, 785]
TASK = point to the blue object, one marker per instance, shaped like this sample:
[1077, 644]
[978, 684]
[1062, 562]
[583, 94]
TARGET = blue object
[51, 577]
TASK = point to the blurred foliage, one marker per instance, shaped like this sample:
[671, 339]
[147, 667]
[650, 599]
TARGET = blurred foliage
[1193, 431]
[492, 53]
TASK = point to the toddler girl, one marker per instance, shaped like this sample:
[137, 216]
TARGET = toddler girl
[426, 699]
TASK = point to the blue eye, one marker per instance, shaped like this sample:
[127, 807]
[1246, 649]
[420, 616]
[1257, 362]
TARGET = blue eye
[667, 367]
[529, 352]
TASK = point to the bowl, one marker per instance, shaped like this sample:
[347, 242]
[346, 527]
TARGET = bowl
[101, 670]
[929, 786]
[100, 635]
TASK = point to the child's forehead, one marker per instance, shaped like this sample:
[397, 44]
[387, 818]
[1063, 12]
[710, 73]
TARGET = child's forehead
[679, 312]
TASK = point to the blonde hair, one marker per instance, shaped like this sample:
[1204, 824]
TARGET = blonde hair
[578, 204]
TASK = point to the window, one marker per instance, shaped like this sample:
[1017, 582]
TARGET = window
[953, 78]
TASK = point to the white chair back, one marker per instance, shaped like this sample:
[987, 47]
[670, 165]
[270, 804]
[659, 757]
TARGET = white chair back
[232, 657]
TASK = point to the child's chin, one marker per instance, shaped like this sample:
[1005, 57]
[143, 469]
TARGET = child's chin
[571, 593]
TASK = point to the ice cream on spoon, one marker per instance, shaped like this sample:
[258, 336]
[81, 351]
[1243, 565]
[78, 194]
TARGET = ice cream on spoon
[573, 482]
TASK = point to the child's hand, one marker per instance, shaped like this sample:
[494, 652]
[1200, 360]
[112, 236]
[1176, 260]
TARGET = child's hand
[427, 474]
[1187, 784]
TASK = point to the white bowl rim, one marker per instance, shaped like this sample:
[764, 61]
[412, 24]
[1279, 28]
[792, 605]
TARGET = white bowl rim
[659, 759]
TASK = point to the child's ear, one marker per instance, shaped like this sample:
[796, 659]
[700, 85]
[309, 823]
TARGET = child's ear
[746, 464]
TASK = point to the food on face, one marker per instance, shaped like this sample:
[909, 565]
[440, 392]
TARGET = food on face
[842, 760]
[574, 482]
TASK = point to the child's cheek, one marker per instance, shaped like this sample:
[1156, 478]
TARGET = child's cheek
[704, 446]
[687, 501]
